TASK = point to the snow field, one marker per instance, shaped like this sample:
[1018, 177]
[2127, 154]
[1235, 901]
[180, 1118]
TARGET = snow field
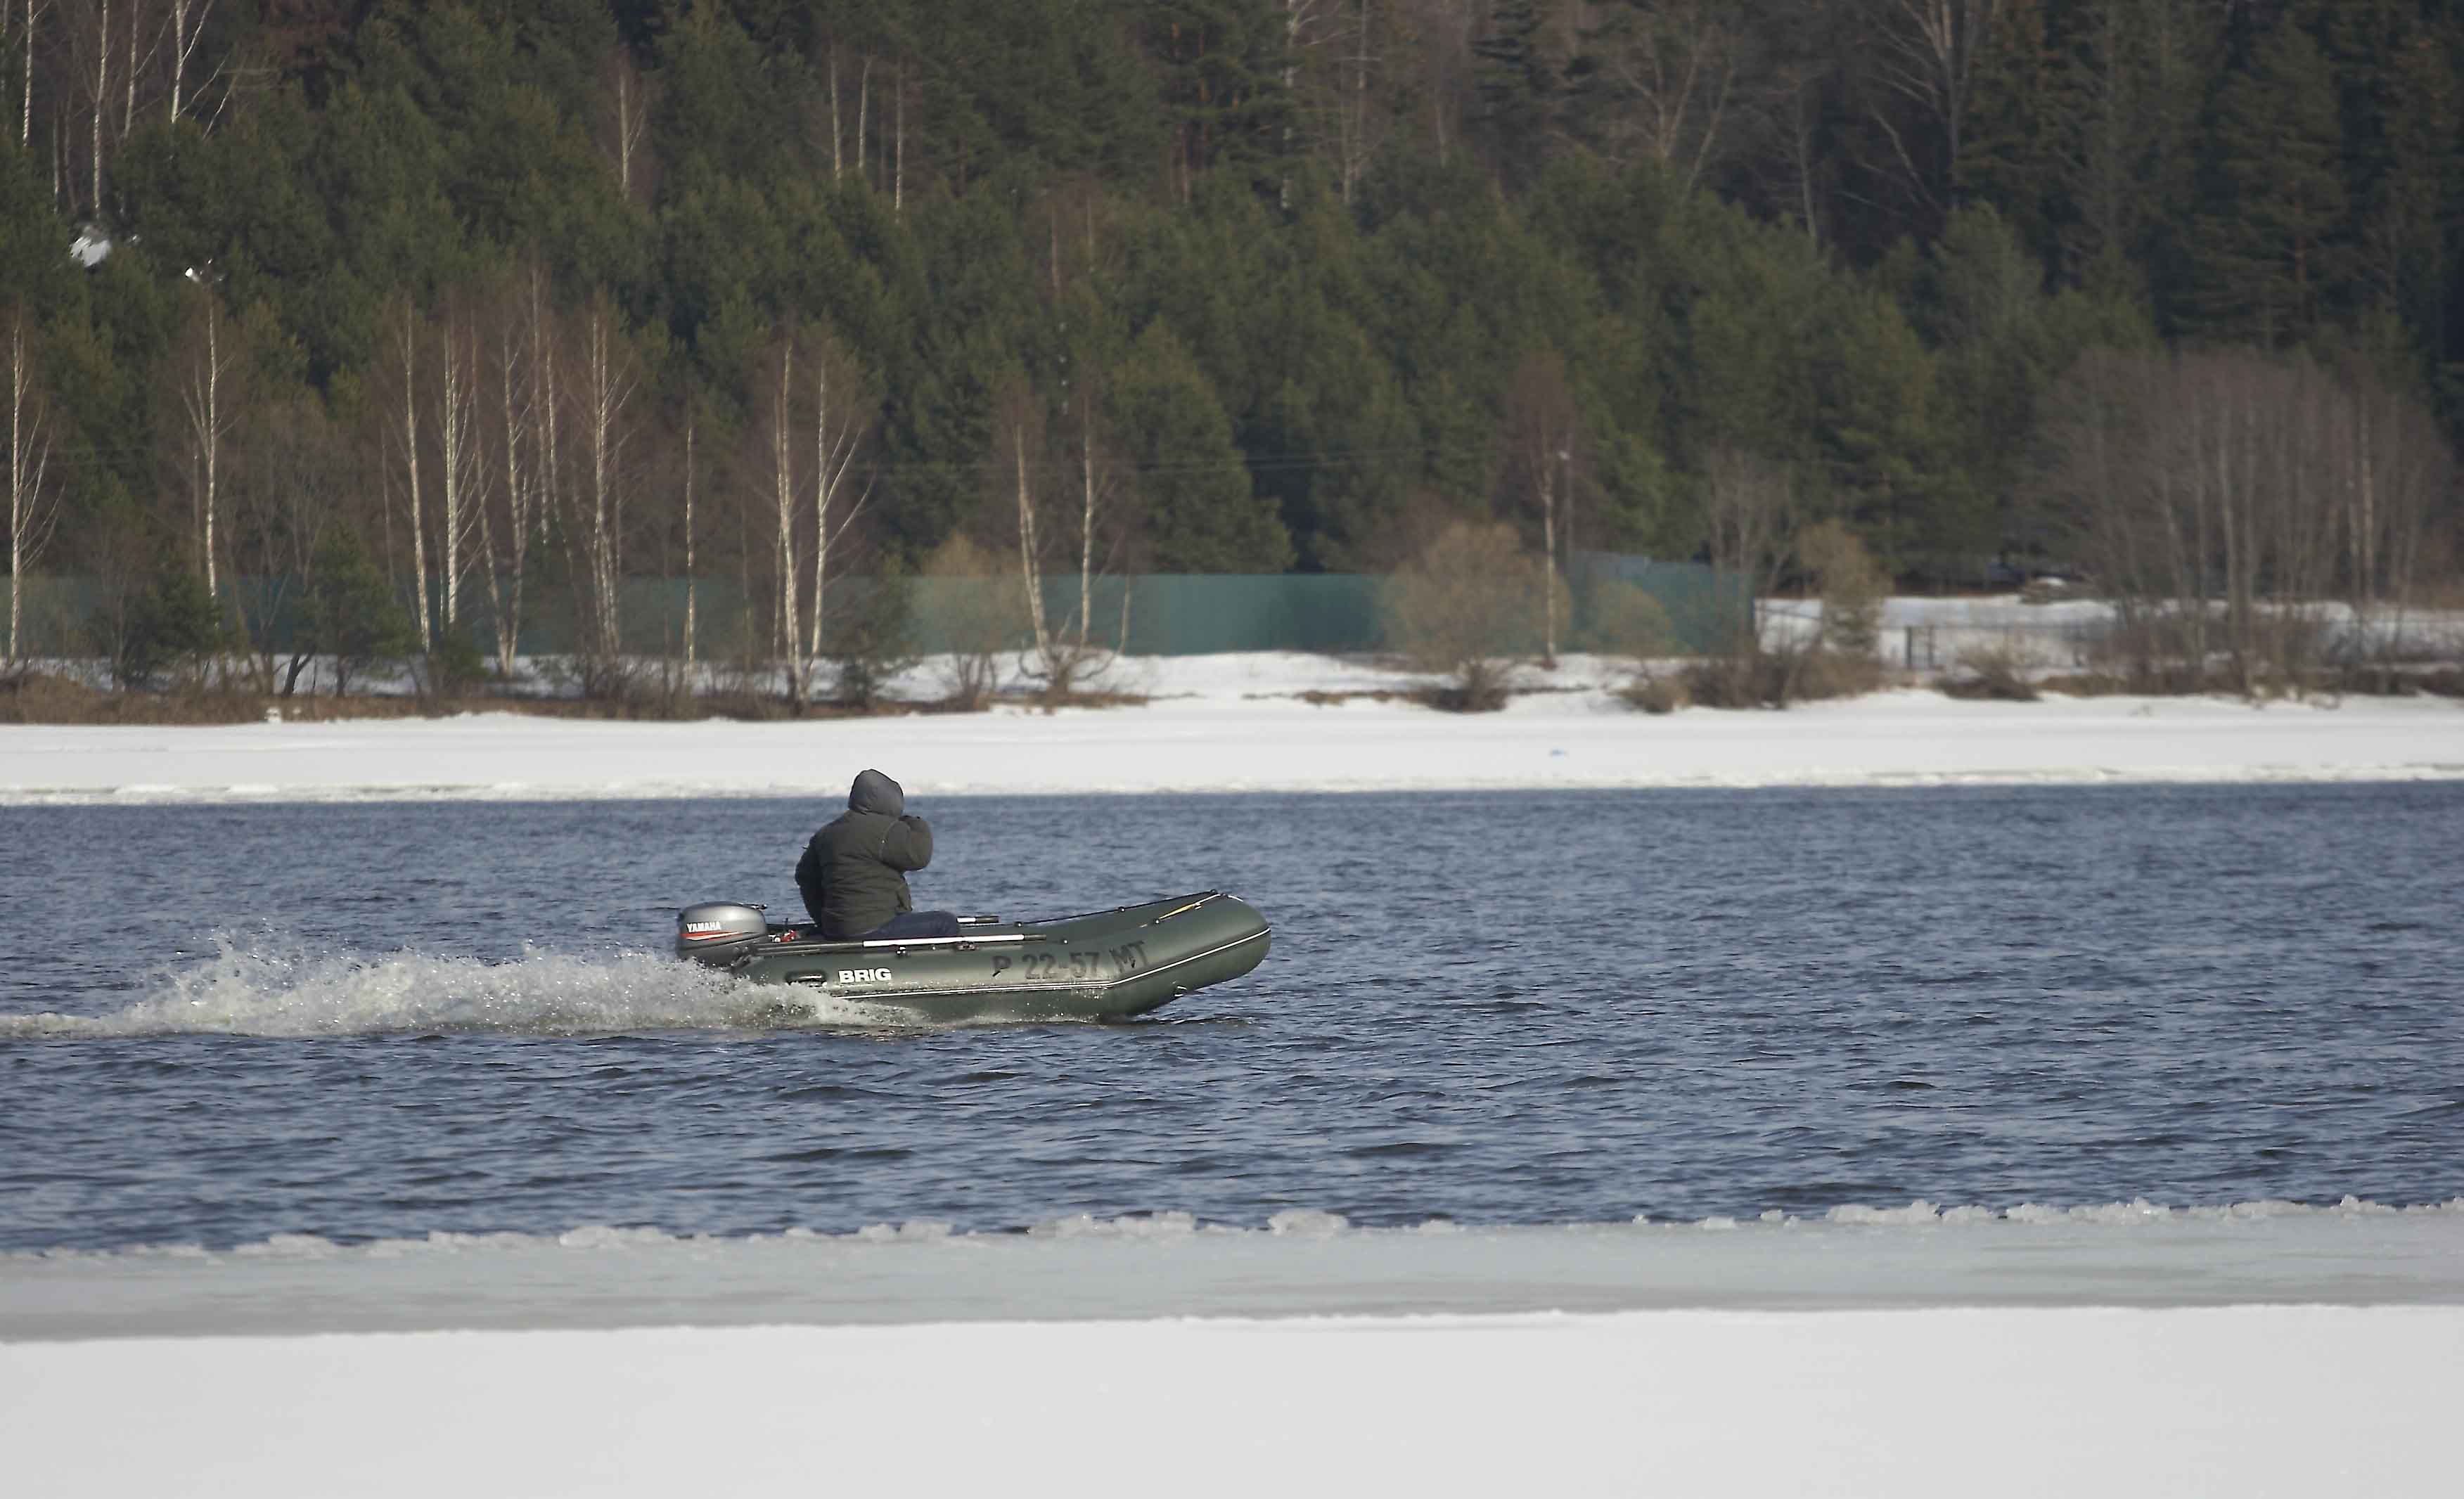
[1238, 723]
[2253, 1401]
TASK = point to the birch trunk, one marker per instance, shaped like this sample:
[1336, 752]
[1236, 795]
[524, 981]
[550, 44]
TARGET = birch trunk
[128, 109]
[26, 103]
[1085, 532]
[839, 427]
[689, 583]
[547, 404]
[454, 423]
[521, 487]
[407, 350]
[187, 25]
[1029, 573]
[608, 387]
[627, 124]
[822, 455]
[202, 400]
[29, 513]
[1548, 574]
[783, 489]
[863, 109]
[101, 92]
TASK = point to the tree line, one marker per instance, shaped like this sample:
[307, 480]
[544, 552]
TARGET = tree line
[486, 307]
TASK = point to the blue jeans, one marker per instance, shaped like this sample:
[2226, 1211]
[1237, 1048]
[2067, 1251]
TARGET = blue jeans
[914, 924]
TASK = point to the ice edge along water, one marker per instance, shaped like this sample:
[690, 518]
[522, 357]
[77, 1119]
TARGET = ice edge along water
[1247, 723]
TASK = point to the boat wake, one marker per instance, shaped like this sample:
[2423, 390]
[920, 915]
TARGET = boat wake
[250, 989]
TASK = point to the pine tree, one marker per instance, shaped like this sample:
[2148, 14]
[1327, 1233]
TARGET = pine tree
[2268, 259]
[1518, 88]
[2131, 79]
[1193, 488]
[2010, 161]
[2403, 111]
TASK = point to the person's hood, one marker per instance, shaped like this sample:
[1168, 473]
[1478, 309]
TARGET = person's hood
[875, 792]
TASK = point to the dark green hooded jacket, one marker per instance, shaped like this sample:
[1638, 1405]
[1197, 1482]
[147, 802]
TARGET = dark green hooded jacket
[853, 875]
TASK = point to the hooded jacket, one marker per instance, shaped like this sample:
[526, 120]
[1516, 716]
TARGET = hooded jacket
[853, 875]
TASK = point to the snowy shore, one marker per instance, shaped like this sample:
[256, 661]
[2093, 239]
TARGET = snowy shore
[2230, 1401]
[1243, 724]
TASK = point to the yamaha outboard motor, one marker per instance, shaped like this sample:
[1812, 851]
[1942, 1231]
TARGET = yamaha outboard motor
[718, 932]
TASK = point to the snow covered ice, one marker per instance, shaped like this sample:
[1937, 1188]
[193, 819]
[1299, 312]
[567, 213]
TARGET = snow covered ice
[1241, 723]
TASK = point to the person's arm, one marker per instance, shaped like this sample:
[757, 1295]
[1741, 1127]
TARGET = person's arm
[908, 847]
[810, 882]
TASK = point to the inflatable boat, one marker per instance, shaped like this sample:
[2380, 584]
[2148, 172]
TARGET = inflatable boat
[1101, 965]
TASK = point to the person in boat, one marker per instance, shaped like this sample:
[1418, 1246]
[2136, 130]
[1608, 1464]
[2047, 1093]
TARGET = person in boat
[853, 875]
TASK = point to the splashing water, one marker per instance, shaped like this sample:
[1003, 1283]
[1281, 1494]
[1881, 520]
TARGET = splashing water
[255, 990]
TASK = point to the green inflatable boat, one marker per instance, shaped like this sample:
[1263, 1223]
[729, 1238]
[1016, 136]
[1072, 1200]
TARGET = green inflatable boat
[1102, 965]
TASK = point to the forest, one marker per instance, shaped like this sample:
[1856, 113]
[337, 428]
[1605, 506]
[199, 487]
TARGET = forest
[375, 328]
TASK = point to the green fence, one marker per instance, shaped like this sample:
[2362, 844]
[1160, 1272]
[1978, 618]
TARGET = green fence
[1704, 609]
[1165, 614]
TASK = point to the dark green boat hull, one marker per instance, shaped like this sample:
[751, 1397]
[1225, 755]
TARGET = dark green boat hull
[1103, 965]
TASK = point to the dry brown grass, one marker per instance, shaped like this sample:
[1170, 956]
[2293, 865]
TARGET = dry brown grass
[1991, 674]
[39, 698]
[1776, 678]
[1655, 695]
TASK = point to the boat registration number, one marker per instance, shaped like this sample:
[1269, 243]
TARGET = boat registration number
[1119, 963]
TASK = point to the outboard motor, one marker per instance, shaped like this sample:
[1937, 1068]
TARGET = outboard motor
[718, 932]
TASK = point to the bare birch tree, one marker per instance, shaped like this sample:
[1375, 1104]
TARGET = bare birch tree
[1670, 75]
[1543, 428]
[1337, 56]
[525, 409]
[693, 579]
[1018, 462]
[184, 26]
[34, 507]
[842, 414]
[464, 476]
[1750, 511]
[628, 101]
[209, 405]
[605, 377]
[401, 421]
[33, 11]
[1792, 122]
[777, 430]
[90, 40]
[1925, 56]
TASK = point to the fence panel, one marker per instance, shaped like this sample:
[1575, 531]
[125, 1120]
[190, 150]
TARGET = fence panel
[1169, 614]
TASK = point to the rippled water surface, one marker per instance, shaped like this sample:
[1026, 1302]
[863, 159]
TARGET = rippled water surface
[224, 1023]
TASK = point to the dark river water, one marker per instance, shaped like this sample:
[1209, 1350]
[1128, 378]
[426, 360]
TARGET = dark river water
[224, 1023]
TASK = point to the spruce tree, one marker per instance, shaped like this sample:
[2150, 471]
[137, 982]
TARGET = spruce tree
[1518, 87]
[2267, 250]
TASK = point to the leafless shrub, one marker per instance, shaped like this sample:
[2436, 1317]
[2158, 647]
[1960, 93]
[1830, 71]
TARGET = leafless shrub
[978, 616]
[1655, 695]
[1853, 586]
[1625, 621]
[1462, 611]
[1779, 675]
[1995, 674]
[1749, 505]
